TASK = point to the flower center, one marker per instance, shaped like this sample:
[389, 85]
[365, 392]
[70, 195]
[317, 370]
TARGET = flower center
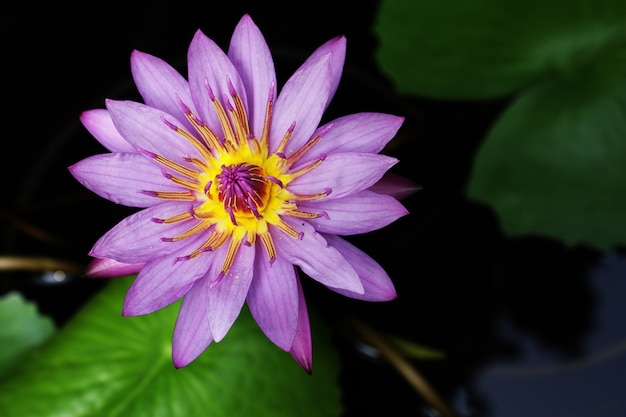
[243, 189]
[237, 187]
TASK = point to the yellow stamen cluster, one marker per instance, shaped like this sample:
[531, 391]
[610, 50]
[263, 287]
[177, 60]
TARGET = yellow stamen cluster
[237, 186]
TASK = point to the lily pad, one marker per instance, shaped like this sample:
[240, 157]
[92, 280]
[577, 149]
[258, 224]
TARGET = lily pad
[102, 364]
[22, 328]
[459, 49]
[554, 163]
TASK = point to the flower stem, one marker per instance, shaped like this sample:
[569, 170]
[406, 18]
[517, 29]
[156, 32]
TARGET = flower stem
[404, 367]
[27, 263]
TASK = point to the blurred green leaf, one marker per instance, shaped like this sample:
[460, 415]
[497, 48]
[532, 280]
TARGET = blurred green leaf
[554, 163]
[415, 350]
[21, 329]
[459, 49]
[102, 364]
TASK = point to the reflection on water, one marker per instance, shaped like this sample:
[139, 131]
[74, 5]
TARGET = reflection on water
[538, 383]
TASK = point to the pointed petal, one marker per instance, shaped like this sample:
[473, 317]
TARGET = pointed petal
[251, 56]
[376, 282]
[344, 174]
[192, 334]
[227, 297]
[302, 350]
[163, 281]
[144, 127]
[137, 238]
[319, 261]
[337, 48]
[121, 178]
[159, 84]
[109, 268]
[273, 300]
[209, 64]
[302, 100]
[360, 132]
[361, 212]
[395, 186]
[98, 122]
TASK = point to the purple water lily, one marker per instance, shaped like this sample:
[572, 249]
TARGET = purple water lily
[238, 186]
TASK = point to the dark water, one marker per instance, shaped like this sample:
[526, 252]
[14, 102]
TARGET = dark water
[529, 326]
[542, 381]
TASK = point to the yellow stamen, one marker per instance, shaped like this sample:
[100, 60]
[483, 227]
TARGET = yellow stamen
[268, 243]
[311, 197]
[267, 121]
[251, 239]
[285, 139]
[174, 195]
[195, 229]
[240, 117]
[183, 182]
[210, 138]
[233, 247]
[300, 152]
[229, 134]
[204, 151]
[181, 169]
[177, 218]
[238, 187]
[307, 168]
[256, 146]
[304, 215]
[199, 163]
[286, 228]
[213, 242]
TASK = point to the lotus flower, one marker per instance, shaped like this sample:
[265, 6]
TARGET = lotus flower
[240, 189]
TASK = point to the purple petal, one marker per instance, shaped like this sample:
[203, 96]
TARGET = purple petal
[110, 268]
[145, 127]
[376, 282]
[302, 350]
[160, 85]
[395, 186]
[209, 64]
[344, 174]
[192, 334]
[321, 262]
[361, 132]
[273, 300]
[121, 178]
[227, 297]
[337, 48]
[302, 100]
[98, 122]
[163, 281]
[137, 238]
[358, 213]
[251, 56]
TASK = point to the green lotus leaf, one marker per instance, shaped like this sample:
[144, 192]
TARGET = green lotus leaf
[103, 364]
[555, 162]
[22, 328]
[478, 49]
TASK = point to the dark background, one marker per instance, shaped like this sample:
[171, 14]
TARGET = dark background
[521, 309]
